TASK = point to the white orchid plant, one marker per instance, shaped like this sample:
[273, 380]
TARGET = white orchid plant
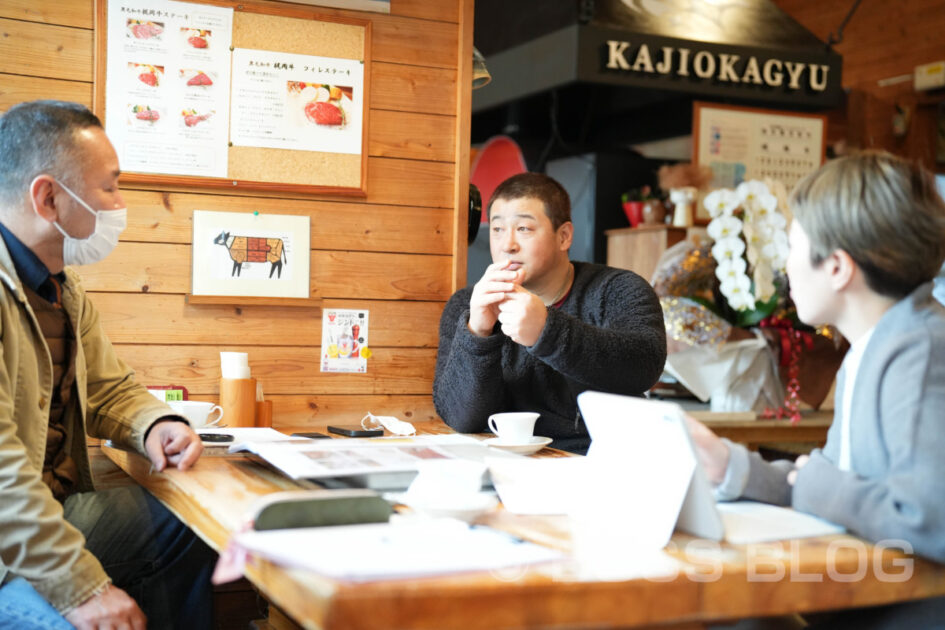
[747, 222]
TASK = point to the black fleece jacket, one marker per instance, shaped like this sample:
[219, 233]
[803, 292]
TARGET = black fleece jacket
[608, 336]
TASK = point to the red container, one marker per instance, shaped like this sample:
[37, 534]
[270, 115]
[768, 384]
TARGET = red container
[634, 212]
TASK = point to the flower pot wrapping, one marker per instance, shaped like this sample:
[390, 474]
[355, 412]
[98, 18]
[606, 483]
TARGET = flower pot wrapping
[735, 376]
[707, 357]
[819, 359]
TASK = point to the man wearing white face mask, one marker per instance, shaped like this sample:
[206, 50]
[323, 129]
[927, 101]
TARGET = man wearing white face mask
[102, 559]
[104, 237]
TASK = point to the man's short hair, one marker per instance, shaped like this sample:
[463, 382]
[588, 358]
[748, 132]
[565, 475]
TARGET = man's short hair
[39, 137]
[882, 210]
[538, 186]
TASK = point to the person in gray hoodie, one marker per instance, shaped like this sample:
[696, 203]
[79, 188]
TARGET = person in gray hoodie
[867, 239]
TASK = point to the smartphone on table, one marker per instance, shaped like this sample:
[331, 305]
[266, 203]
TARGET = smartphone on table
[354, 430]
[314, 435]
[215, 438]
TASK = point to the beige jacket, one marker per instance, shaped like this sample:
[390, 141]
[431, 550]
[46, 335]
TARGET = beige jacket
[36, 542]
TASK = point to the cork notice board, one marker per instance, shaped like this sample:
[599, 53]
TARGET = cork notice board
[276, 29]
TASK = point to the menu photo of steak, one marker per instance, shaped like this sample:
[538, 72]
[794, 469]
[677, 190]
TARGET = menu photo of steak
[144, 29]
[198, 38]
[143, 116]
[196, 78]
[322, 104]
[322, 113]
[146, 74]
[192, 118]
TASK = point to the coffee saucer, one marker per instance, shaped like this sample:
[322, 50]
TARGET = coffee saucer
[533, 445]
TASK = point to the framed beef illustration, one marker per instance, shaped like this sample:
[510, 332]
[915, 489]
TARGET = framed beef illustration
[253, 256]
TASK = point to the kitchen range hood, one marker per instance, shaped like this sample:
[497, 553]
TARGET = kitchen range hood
[746, 51]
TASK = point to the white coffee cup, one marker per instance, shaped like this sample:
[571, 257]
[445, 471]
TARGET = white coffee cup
[515, 427]
[197, 412]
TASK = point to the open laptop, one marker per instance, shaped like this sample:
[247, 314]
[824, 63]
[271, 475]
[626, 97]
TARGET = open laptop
[656, 432]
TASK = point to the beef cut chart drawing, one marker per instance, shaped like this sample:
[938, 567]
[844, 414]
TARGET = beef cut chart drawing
[251, 254]
[250, 249]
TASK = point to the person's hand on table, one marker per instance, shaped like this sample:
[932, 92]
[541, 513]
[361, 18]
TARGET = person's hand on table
[712, 452]
[172, 442]
[492, 288]
[799, 463]
[523, 316]
[112, 608]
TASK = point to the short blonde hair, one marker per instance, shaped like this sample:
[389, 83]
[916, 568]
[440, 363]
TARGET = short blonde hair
[883, 211]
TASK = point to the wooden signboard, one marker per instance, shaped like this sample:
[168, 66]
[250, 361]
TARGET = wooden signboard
[266, 31]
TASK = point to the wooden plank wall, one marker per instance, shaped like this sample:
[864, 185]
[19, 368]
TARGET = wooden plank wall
[883, 40]
[399, 253]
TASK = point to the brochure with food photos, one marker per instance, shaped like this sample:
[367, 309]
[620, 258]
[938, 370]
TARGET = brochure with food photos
[167, 89]
[298, 102]
[345, 340]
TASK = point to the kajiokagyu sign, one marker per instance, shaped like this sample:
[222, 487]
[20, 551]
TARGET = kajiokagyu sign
[804, 77]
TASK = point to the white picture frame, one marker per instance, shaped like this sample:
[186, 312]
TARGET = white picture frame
[250, 254]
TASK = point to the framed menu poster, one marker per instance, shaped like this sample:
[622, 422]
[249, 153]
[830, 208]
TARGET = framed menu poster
[167, 95]
[743, 143]
[234, 95]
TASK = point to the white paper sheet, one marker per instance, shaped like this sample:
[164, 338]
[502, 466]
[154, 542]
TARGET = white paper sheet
[167, 91]
[537, 486]
[405, 548]
[318, 459]
[299, 102]
[748, 522]
[250, 434]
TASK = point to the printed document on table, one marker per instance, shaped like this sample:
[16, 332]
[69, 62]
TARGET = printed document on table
[249, 434]
[316, 459]
[399, 549]
[748, 522]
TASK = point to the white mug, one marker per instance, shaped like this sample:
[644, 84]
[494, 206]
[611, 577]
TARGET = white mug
[515, 427]
[197, 412]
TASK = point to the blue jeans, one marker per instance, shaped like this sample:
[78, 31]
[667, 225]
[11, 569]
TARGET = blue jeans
[148, 553]
[23, 608]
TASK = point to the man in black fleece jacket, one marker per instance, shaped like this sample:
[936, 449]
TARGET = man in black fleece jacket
[537, 329]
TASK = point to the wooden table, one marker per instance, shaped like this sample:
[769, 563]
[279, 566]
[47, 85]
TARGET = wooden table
[213, 497]
[811, 430]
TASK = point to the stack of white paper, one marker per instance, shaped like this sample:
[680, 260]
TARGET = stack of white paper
[749, 522]
[399, 549]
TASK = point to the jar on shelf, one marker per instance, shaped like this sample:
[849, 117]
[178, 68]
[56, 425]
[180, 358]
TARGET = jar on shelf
[654, 212]
[683, 200]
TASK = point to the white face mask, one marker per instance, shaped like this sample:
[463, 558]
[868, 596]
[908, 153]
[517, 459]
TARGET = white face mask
[109, 224]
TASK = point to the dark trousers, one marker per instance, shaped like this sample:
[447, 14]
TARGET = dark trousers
[149, 554]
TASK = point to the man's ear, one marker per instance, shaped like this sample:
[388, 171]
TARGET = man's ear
[841, 268]
[43, 197]
[565, 235]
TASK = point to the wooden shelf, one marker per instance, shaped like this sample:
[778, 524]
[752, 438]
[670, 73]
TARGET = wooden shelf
[639, 249]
